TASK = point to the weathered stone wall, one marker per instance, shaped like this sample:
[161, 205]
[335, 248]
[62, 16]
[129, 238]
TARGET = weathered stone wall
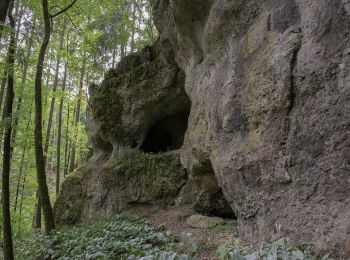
[146, 88]
[268, 129]
[269, 83]
[95, 191]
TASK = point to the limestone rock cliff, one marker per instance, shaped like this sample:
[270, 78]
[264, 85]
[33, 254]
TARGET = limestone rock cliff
[140, 109]
[255, 95]
[269, 83]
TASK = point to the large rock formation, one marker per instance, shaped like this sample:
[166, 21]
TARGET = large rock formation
[95, 191]
[269, 83]
[140, 109]
[268, 131]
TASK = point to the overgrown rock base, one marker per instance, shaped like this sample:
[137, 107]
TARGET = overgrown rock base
[148, 180]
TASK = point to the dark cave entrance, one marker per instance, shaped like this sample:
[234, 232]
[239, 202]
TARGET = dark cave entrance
[209, 197]
[167, 134]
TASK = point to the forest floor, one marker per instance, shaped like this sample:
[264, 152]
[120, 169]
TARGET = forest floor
[203, 243]
[148, 233]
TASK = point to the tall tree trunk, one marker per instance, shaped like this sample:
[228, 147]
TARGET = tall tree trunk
[54, 88]
[7, 114]
[21, 200]
[39, 153]
[77, 116]
[19, 176]
[133, 28]
[59, 133]
[22, 162]
[67, 148]
[3, 85]
[4, 79]
[4, 5]
[113, 58]
[18, 13]
[49, 123]
[24, 79]
[37, 217]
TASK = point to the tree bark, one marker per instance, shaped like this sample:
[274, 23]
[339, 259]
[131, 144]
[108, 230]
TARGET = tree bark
[133, 28]
[49, 123]
[77, 116]
[39, 154]
[7, 114]
[21, 200]
[67, 148]
[44, 198]
[24, 79]
[59, 133]
[3, 85]
[54, 88]
[4, 5]
[22, 163]
[4, 79]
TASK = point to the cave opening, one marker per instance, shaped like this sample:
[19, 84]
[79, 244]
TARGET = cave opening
[209, 197]
[167, 134]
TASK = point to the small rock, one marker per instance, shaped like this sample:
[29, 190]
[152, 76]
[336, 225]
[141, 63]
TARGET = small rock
[185, 236]
[200, 221]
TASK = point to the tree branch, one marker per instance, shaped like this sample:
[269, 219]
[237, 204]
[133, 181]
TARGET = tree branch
[63, 10]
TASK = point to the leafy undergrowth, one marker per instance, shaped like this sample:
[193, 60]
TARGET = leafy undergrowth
[276, 250]
[117, 237]
[131, 237]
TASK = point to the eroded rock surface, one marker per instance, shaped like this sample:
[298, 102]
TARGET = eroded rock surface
[269, 82]
[95, 191]
[139, 109]
[268, 127]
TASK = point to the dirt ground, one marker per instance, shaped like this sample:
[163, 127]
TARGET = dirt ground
[202, 243]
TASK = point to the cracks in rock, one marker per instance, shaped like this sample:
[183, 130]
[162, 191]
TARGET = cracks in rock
[289, 109]
[292, 93]
[269, 23]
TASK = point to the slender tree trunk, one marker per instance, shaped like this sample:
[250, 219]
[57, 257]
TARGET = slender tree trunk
[37, 217]
[22, 162]
[18, 14]
[19, 177]
[122, 51]
[24, 79]
[39, 153]
[77, 116]
[66, 153]
[3, 85]
[113, 58]
[59, 133]
[4, 5]
[44, 198]
[54, 88]
[4, 79]
[21, 200]
[133, 28]
[7, 231]
[49, 123]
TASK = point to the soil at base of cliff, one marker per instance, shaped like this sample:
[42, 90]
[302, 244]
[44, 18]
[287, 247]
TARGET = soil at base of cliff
[203, 242]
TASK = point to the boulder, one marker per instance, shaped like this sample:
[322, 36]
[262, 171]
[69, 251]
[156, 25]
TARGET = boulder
[200, 221]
